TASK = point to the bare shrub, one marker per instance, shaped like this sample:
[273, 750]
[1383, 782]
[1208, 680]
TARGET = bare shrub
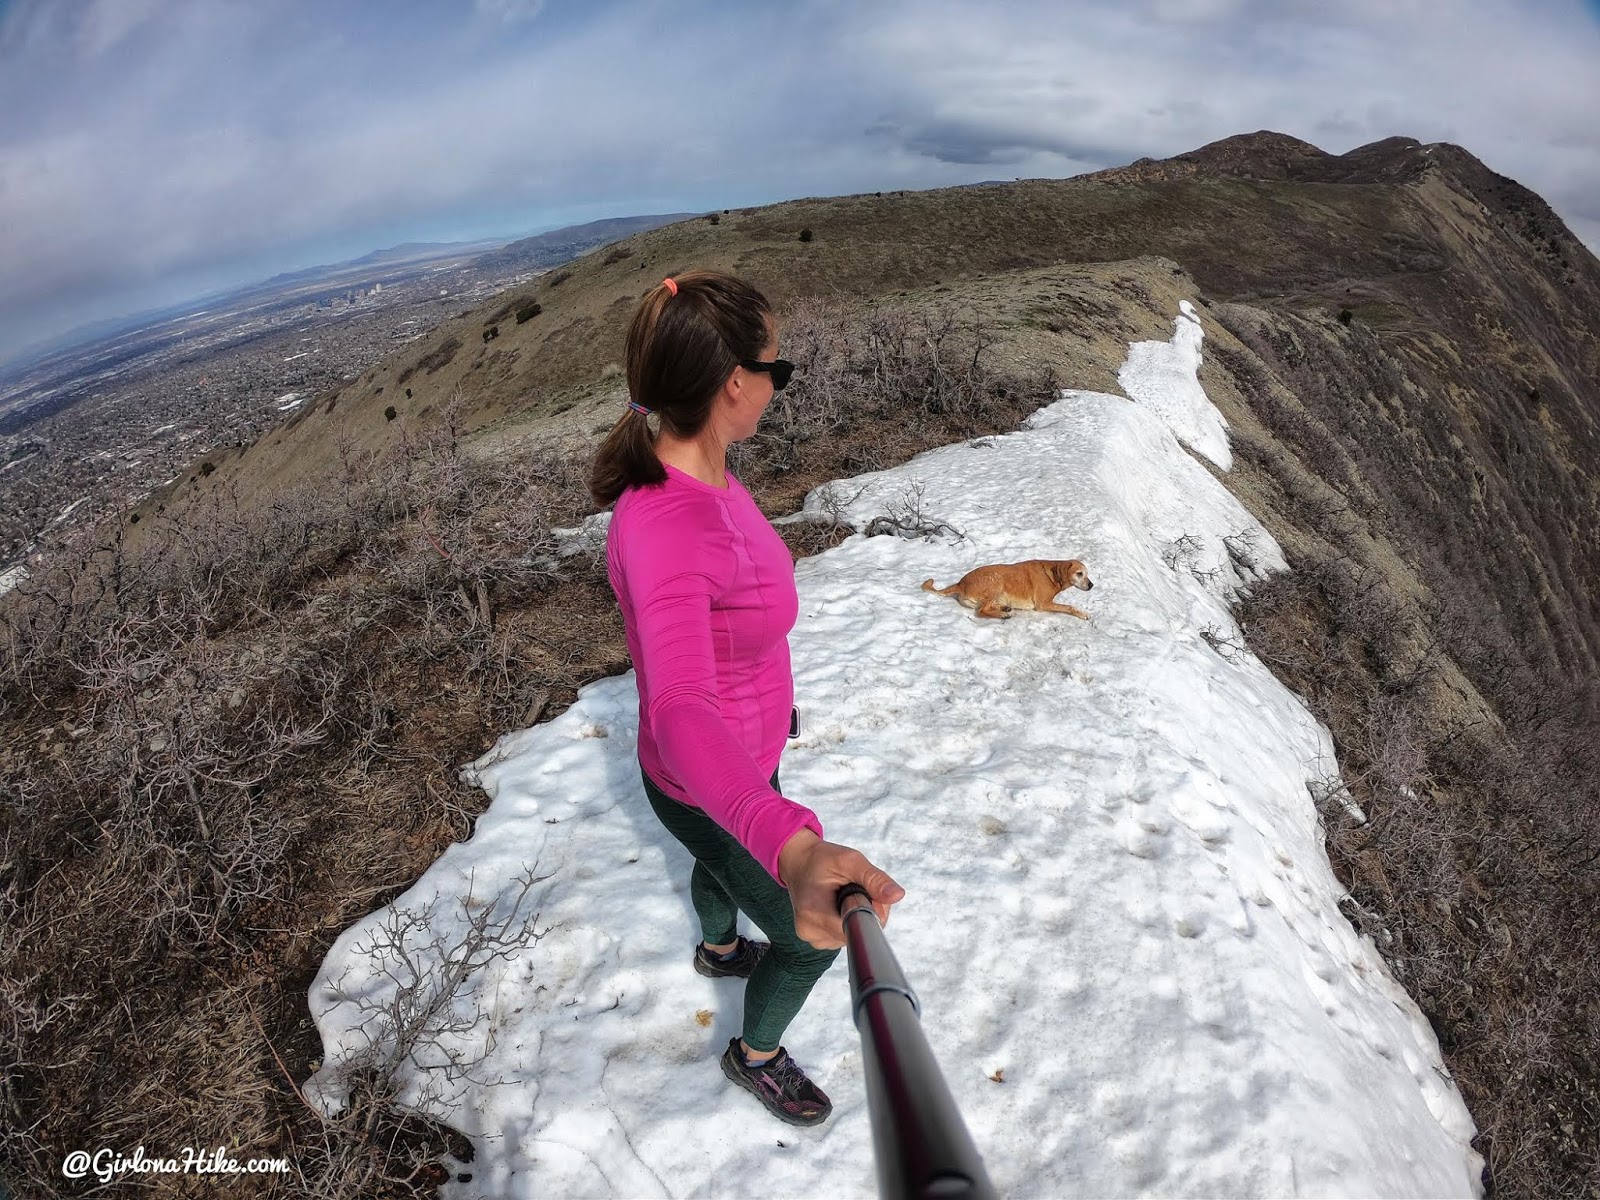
[907, 519]
[1244, 552]
[418, 1025]
[188, 728]
[440, 356]
[1472, 870]
[873, 389]
[1225, 644]
[1182, 554]
[467, 529]
[815, 530]
[418, 1038]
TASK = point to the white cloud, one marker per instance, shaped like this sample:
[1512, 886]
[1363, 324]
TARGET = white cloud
[1516, 85]
[104, 24]
[509, 11]
[146, 139]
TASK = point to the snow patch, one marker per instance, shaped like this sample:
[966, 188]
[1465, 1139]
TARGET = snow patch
[1165, 377]
[1118, 899]
[69, 510]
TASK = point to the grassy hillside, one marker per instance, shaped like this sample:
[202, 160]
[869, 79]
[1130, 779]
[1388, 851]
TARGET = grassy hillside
[231, 723]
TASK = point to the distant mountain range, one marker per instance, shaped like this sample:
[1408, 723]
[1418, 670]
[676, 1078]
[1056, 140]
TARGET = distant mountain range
[564, 245]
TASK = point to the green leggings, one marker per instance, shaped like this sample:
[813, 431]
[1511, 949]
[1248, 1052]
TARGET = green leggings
[727, 878]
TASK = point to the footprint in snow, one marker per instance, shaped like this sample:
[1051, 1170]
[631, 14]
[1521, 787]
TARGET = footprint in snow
[1202, 818]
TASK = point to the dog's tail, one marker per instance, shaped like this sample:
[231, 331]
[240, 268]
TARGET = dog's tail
[927, 586]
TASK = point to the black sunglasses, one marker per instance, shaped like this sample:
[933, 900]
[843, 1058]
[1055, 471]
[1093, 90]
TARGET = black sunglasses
[781, 370]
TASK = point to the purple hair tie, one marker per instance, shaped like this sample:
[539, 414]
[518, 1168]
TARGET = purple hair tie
[639, 408]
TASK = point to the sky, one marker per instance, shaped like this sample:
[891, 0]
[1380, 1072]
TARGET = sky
[151, 150]
[1119, 915]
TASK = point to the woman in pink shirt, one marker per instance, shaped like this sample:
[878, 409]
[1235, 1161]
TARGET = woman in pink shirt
[706, 588]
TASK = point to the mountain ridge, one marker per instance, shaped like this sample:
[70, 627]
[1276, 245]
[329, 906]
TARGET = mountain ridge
[1451, 252]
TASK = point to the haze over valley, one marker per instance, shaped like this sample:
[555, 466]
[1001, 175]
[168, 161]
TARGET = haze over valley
[93, 426]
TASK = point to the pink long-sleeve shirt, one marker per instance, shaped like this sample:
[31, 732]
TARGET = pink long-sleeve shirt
[707, 592]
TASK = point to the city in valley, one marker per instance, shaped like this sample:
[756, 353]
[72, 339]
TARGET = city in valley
[94, 427]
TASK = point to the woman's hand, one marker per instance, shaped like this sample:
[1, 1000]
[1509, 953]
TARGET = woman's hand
[814, 870]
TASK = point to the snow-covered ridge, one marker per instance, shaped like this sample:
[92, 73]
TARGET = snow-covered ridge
[1119, 914]
[1165, 378]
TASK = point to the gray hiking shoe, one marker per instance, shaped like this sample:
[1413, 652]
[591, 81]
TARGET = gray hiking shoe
[780, 1084]
[745, 957]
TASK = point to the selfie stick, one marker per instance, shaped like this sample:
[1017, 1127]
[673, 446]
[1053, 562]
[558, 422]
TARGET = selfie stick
[921, 1144]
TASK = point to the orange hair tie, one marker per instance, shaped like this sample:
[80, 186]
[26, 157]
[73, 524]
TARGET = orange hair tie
[670, 284]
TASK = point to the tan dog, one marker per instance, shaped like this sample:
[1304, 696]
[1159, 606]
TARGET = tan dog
[994, 591]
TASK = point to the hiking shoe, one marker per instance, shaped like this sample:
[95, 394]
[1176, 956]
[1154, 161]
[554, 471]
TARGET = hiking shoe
[780, 1084]
[745, 957]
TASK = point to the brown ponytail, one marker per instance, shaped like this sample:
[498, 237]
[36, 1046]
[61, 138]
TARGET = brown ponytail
[682, 346]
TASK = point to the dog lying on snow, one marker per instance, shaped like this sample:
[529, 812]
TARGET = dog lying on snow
[996, 590]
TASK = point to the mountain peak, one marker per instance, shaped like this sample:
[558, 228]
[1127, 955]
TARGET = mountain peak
[1388, 145]
[1279, 157]
[1260, 155]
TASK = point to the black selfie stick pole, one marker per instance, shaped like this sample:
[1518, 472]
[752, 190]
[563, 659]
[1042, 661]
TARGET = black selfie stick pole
[919, 1139]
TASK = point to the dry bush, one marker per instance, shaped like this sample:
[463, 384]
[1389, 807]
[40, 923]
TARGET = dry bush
[906, 518]
[814, 531]
[439, 357]
[871, 390]
[1475, 866]
[416, 1039]
[190, 730]
[463, 528]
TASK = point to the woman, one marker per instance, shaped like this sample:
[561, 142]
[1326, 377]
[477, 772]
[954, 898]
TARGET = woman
[706, 588]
